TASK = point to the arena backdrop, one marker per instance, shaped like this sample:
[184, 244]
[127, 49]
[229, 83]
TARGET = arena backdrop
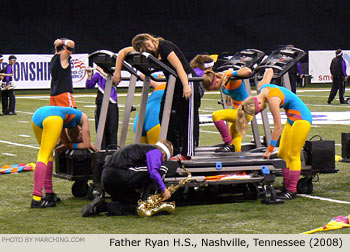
[319, 63]
[32, 71]
[195, 25]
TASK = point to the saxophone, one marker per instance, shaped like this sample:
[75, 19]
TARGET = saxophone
[154, 203]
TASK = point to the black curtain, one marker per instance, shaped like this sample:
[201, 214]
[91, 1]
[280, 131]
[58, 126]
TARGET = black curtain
[195, 26]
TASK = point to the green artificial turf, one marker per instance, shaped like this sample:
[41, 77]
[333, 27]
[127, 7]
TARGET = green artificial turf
[236, 215]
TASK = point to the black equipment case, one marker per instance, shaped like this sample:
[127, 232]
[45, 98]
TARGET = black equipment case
[81, 166]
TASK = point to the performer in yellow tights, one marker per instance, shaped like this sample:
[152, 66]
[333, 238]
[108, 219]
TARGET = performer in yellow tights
[235, 89]
[295, 130]
[50, 123]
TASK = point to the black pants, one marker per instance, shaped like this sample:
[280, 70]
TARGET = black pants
[110, 135]
[293, 79]
[337, 84]
[126, 187]
[178, 122]
[8, 101]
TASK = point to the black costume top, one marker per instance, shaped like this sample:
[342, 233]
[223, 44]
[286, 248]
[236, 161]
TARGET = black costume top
[138, 155]
[61, 81]
[337, 66]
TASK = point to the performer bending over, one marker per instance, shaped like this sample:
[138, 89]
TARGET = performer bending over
[236, 90]
[49, 124]
[180, 130]
[126, 172]
[151, 124]
[294, 133]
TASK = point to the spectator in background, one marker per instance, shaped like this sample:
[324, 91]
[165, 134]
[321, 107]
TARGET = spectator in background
[8, 94]
[338, 72]
[110, 135]
[1, 77]
[295, 75]
[61, 72]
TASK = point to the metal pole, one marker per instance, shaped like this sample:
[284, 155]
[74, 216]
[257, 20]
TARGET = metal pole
[127, 110]
[142, 111]
[103, 114]
[286, 81]
[254, 123]
[167, 107]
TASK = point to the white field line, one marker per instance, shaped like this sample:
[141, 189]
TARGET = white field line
[24, 135]
[21, 145]
[324, 199]
[211, 132]
[9, 154]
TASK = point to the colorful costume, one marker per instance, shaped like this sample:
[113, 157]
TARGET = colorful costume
[110, 134]
[130, 168]
[61, 84]
[236, 90]
[151, 125]
[47, 123]
[8, 95]
[294, 134]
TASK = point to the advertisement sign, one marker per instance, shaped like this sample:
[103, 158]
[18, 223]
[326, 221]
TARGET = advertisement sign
[319, 63]
[32, 71]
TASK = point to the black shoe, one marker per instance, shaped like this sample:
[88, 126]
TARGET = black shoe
[286, 195]
[52, 197]
[329, 102]
[94, 208]
[226, 148]
[12, 113]
[42, 203]
[1, 114]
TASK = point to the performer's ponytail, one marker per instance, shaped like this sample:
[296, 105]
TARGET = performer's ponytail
[248, 107]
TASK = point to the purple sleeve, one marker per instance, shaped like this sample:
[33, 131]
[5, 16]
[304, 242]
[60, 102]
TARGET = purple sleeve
[8, 71]
[344, 67]
[154, 161]
[89, 84]
[299, 68]
[199, 72]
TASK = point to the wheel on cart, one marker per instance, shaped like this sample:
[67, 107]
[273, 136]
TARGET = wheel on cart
[80, 189]
[305, 186]
[310, 186]
[250, 191]
[269, 193]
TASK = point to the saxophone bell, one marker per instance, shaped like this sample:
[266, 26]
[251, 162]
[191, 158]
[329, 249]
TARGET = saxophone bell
[144, 210]
[154, 204]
